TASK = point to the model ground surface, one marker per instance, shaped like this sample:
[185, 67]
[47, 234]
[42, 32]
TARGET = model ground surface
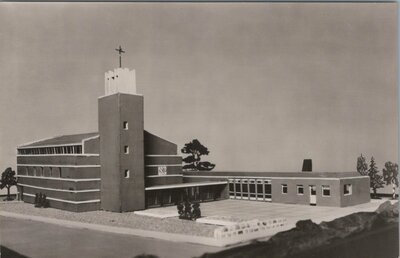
[18, 235]
[244, 210]
[359, 235]
[36, 239]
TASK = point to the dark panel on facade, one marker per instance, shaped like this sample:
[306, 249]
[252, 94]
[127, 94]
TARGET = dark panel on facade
[59, 184]
[109, 119]
[168, 180]
[163, 160]
[59, 160]
[63, 172]
[92, 146]
[81, 207]
[132, 188]
[154, 145]
[69, 196]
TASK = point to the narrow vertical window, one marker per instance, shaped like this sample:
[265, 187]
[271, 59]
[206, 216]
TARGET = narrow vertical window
[284, 188]
[126, 149]
[125, 125]
[126, 173]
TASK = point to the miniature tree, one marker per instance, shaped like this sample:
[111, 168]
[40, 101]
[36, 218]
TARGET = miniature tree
[188, 210]
[196, 213]
[362, 166]
[193, 162]
[44, 201]
[8, 179]
[390, 176]
[37, 200]
[376, 180]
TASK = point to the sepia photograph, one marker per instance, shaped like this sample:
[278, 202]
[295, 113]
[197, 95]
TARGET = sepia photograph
[199, 129]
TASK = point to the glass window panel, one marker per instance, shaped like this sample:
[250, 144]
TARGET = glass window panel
[268, 189]
[259, 188]
[252, 188]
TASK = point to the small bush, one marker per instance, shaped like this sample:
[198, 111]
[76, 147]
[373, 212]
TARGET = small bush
[41, 201]
[188, 210]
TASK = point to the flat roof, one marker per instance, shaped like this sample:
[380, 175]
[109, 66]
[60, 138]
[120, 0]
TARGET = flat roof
[60, 140]
[273, 174]
[182, 185]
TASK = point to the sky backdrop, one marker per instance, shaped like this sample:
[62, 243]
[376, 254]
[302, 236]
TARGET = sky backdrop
[262, 85]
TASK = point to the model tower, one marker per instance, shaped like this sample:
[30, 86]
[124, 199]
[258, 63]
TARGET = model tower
[121, 143]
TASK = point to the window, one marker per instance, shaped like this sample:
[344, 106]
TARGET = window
[348, 189]
[126, 173]
[300, 189]
[326, 190]
[125, 125]
[126, 149]
[284, 188]
[245, 188]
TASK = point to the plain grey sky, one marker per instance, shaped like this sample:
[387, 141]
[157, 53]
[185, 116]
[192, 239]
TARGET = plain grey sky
[263, 85]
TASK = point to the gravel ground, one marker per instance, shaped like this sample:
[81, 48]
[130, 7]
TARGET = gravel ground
[127, 219]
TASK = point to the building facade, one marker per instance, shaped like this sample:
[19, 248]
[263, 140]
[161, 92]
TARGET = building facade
[309, 188]
[123, 168]
[120, 168]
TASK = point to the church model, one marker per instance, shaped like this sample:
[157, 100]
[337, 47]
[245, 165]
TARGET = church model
[124, 168]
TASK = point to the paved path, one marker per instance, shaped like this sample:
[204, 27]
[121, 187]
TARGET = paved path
[249, 210]
[38, 239]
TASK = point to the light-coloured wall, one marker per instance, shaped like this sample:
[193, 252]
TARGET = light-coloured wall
[360, 191]
[121, 80]
[294, 198]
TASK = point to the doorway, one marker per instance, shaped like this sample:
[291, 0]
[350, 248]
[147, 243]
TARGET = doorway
[313, 195]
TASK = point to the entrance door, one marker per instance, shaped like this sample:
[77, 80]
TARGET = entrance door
[313, 195]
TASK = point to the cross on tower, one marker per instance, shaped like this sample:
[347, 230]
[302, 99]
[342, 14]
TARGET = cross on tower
[120, 51]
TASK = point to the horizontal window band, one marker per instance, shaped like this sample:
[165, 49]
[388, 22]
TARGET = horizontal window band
[154, 155]
[60, 155]
[166, 165]
[49, 146]
[62, 179]
[67, 201]
[270, 178]
[171, 175]
[61, 190]
[56, 165]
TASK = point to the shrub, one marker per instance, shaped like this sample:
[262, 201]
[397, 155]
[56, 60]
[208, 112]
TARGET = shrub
[188, 210]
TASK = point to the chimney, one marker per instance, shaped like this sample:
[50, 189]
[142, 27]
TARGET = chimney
[307, 165]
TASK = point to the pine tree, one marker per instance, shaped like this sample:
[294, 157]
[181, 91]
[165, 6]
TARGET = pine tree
[195, 150]
[376, 180]
[390, 176]
[362, 166]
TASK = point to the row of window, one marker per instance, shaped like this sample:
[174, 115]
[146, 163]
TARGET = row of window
[250, 189]
[165, 197]
[73, 149]
[41, 171]
[326, 190]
